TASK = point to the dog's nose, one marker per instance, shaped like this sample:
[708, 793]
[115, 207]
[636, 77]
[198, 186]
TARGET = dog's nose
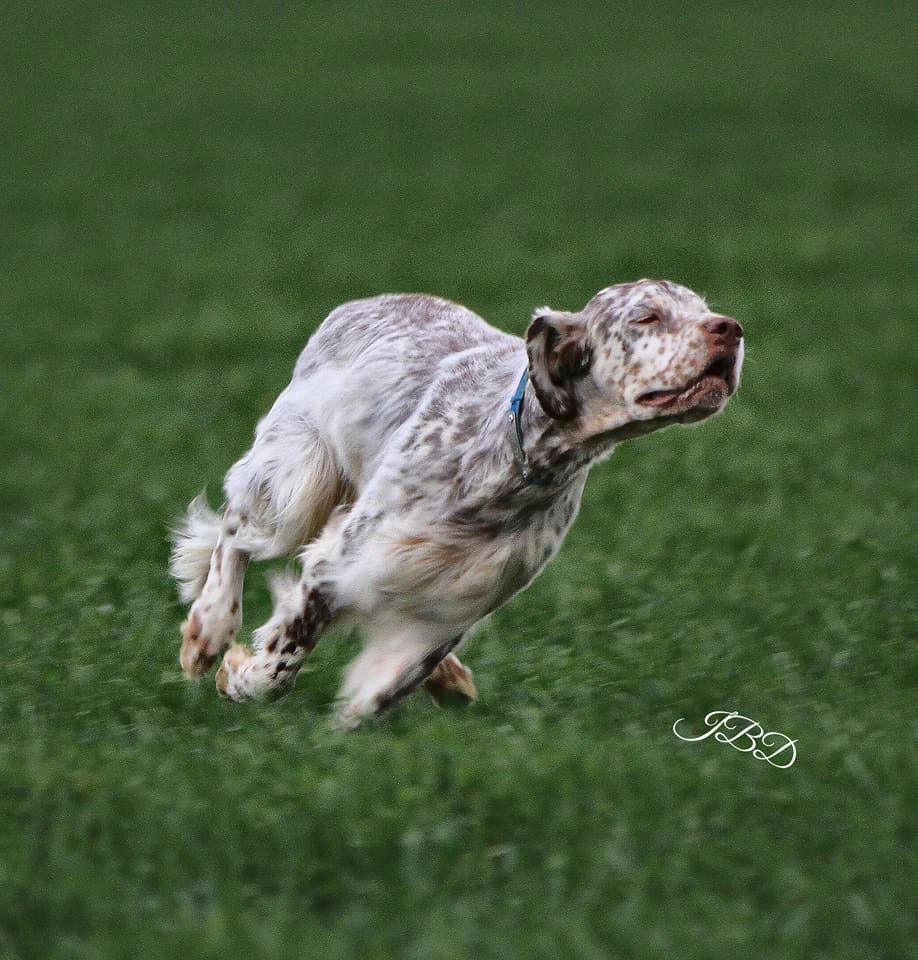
[725, 329]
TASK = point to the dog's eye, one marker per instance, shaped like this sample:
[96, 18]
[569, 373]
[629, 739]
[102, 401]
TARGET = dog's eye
[647, 319]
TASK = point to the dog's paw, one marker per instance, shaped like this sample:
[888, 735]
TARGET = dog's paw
[451, 683]
[234, 678]
[244, 675]
[197, 656]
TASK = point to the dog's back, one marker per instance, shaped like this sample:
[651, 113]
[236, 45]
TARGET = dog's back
[366, 369]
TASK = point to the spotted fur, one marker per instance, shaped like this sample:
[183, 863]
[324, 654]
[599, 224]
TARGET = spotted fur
[387, 467]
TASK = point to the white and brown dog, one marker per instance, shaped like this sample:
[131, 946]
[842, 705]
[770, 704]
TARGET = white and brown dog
[422, 484]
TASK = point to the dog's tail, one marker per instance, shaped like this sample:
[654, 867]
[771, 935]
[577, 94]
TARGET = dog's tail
[193, 542]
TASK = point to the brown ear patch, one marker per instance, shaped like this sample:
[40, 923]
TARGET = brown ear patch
[559, 354]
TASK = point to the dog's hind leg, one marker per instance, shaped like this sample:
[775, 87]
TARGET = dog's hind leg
[278, 496]
[215, 582]
[303, 609]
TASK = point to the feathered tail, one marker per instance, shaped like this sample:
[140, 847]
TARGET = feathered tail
[193, 542]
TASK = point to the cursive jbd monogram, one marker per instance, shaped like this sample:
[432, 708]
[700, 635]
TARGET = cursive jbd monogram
[749, 738]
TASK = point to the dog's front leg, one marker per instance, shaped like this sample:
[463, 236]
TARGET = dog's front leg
[395, 661]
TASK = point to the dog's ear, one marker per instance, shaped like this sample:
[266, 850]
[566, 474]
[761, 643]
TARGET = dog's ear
[559, 354]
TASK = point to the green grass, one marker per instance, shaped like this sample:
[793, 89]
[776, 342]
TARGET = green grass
[187, 189]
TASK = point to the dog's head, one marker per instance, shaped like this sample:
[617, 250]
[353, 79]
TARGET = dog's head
[637, 353]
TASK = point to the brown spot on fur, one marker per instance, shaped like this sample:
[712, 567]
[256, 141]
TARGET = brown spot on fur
[413, 541]
[235, 607]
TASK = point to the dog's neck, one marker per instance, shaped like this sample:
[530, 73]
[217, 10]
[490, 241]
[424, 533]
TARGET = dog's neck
[559, 449]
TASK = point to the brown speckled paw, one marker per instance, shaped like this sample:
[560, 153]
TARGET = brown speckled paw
[451, 683]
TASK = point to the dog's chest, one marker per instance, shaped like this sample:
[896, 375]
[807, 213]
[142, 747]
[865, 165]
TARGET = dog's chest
[458, 570]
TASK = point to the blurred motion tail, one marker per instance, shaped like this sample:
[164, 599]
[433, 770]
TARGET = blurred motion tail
[193, 542]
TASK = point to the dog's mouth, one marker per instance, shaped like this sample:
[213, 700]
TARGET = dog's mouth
[710, 389]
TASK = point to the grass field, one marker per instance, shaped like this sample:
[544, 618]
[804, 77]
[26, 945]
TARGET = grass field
[187, 189]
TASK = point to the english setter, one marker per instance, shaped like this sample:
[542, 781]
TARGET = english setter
[425, 466]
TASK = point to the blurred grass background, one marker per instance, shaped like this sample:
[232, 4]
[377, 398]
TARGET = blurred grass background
[187, 189]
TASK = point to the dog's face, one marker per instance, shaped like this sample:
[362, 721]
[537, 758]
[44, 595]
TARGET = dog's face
[645, 351]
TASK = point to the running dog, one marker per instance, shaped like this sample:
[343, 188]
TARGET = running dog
[424, 467]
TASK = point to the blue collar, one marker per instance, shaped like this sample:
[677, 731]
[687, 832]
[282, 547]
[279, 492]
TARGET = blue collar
[515, 432]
